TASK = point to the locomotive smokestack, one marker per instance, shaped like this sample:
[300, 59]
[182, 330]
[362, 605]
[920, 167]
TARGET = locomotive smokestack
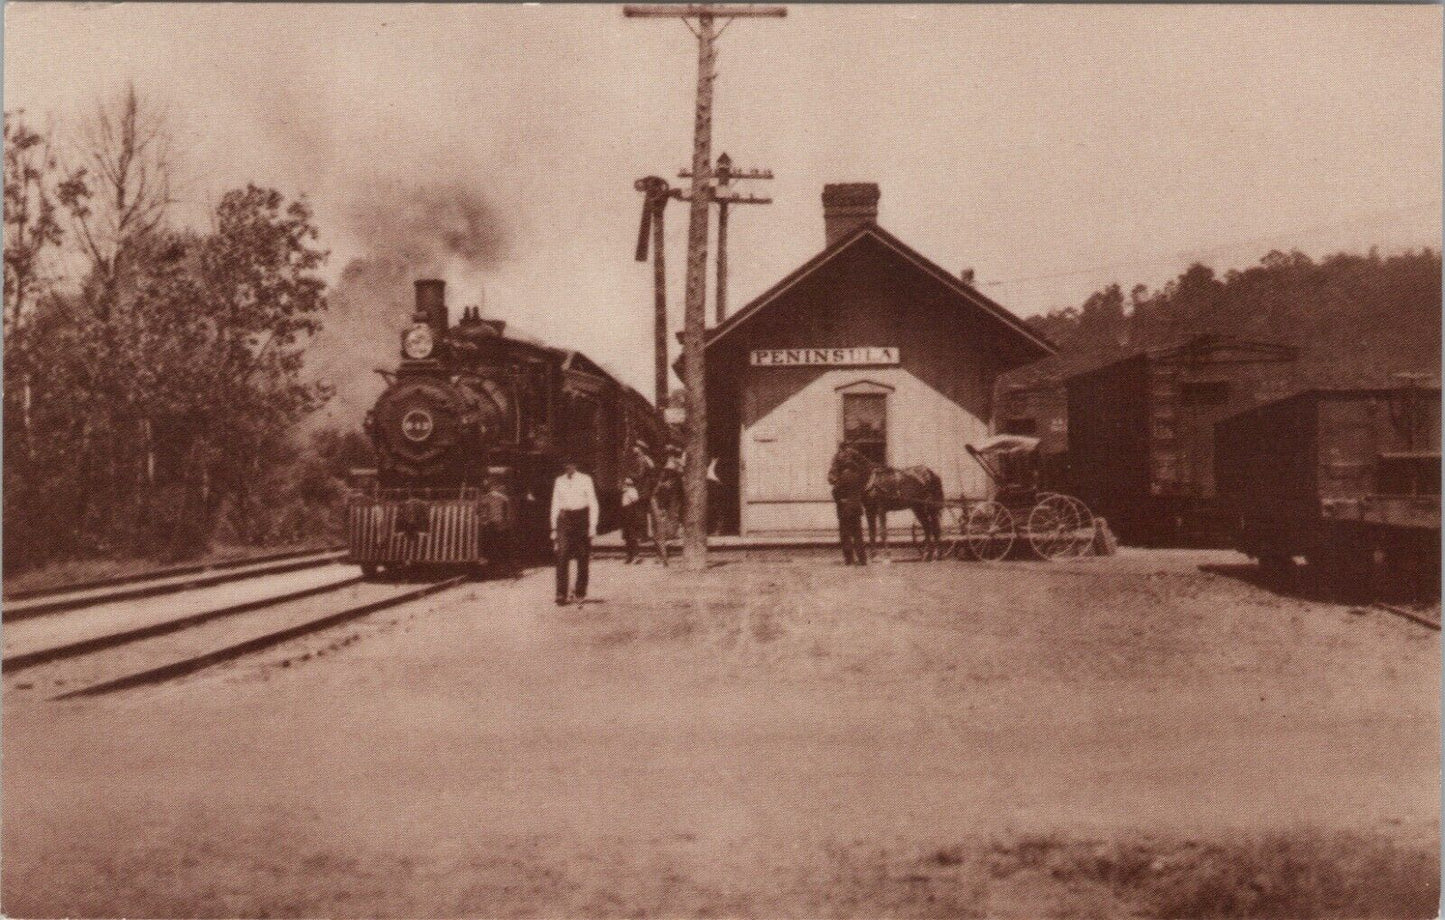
[431, 304]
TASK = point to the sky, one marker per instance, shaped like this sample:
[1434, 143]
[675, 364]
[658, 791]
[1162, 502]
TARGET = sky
[1052, 149]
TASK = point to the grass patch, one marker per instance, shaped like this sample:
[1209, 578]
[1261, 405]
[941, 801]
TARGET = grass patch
[1299, 874]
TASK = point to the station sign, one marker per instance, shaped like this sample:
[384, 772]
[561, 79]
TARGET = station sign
[842, 357]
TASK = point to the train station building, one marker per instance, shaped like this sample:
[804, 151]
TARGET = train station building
[869, 342]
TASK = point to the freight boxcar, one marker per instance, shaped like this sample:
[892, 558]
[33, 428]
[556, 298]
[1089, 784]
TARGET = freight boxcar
[1141, 432]
[1039, 410]
[1349, 479]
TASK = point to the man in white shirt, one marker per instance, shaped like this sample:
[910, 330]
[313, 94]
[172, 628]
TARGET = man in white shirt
[574, 524]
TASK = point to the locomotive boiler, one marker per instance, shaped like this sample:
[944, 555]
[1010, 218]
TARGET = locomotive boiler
[470, 432]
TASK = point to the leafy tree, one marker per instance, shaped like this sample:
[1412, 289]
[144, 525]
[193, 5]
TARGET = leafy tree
[157, 392]
[36, 189]
[262, 300]
[1357, 319]
[1101, 319]
[164, 417]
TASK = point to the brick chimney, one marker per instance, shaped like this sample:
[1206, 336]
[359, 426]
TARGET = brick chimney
[846, 205]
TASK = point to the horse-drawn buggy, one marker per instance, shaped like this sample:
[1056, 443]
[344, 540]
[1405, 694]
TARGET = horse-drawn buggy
[1052, 525]
[1020, 513]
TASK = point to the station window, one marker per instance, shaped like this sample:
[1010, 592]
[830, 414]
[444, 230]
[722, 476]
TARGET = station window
[865, 424]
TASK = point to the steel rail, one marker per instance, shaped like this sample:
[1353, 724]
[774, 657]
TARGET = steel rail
[23, 660]
[1408, 614]
[174, 571]
[204, 579]
[226, 653]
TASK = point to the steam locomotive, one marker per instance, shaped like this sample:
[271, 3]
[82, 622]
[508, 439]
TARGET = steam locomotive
[471, 432]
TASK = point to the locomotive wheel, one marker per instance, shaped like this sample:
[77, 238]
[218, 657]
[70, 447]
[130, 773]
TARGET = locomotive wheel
[989, 531]
[1054, 526]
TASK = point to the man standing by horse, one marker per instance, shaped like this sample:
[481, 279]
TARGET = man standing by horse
[848, 475]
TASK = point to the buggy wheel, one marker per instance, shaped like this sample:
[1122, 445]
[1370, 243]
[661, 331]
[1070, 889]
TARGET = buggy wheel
[989, 531]
[1083, 522]
[1053, 527]
[953, 538]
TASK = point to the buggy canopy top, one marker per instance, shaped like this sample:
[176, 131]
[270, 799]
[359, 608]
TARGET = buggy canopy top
[1005, 444]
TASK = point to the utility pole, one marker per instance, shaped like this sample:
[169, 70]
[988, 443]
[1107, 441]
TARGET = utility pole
[724, 175]
[694, 544]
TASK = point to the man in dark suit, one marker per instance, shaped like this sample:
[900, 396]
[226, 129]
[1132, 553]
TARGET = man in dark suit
[848, 475]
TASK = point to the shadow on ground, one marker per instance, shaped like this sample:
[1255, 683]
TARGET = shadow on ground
[1308, 583]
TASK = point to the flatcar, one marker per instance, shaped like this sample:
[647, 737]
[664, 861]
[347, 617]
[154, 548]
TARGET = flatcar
[1347, 478]
[470, 432]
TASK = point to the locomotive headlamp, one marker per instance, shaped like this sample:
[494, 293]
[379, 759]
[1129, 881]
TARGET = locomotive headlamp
[417, 343]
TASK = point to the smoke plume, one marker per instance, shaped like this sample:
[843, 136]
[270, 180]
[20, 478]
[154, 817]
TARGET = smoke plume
[432, 227]
[407, 231]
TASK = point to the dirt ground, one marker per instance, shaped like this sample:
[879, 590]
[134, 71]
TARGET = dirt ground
[780, 736]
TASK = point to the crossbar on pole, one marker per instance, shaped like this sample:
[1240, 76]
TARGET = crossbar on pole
[690, 10]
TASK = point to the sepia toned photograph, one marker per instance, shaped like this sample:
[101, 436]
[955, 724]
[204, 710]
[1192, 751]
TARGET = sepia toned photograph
[721, 460]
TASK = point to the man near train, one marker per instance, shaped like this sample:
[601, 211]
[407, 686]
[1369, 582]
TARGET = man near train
[634, 520]
[640, 465]
[574, 525]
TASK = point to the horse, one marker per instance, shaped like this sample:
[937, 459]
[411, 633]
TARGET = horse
[916, 488]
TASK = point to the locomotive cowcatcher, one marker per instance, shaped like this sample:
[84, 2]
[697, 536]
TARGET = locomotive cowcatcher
[470, 433]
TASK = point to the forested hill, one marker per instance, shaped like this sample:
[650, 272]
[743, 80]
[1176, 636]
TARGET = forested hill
[1357, 319]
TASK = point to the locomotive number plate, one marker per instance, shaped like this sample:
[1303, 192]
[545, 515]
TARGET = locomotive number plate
[417, 425]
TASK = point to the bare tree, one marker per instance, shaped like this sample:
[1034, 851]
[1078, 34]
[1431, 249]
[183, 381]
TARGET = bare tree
[126, 150]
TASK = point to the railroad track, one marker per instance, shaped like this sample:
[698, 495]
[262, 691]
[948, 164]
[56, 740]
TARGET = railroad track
[1408, 614]
[116, 652]
[108, 591]
[169, 571]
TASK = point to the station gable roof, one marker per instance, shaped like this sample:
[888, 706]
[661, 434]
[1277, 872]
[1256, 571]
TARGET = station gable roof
[964, 296]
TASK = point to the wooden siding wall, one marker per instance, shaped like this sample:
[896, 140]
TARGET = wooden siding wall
[786, 453]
